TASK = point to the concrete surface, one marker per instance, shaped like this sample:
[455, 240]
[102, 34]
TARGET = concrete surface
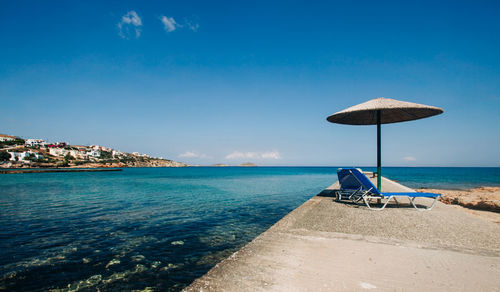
[324, 245]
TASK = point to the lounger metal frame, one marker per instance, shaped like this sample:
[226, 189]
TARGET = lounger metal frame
[367, 195]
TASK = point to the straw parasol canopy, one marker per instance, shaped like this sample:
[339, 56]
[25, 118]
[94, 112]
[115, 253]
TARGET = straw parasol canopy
[383, 111]
[391, 111]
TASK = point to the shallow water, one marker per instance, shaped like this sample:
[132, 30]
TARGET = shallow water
[443, 177]
[157, 227]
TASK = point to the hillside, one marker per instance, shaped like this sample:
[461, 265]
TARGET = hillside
[21, 153]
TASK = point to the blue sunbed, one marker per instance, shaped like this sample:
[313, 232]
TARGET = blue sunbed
[355, 186]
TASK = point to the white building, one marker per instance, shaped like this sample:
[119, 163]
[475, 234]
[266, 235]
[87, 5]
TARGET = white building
[117, 153]
[16, 156]
[100, 148]
[94, 154]
[58, 151]
[140, 155]
[4, 138]
[34, 143]
[22, 156]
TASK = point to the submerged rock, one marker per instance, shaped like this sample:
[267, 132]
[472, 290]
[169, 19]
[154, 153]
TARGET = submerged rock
[137, 258]
[94, 280]
[113, 262]
[168, 267]
[140, 268]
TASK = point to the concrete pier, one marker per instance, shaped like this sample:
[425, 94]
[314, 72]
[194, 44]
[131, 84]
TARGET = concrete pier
[324, 245]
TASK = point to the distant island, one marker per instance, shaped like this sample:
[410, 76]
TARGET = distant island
[220, 165]
[16, 152]
[248, 164]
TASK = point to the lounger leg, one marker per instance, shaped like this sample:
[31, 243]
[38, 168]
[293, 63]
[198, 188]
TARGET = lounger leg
[340, 195]
[355, 194]
[376, 209]
[425, 208]
[358, 196]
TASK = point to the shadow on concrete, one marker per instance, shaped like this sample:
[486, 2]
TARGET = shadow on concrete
[327, 193]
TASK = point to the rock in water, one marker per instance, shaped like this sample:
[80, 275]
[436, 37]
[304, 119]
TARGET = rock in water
[113, 262]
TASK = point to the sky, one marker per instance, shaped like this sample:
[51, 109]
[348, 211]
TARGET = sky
[208, 82]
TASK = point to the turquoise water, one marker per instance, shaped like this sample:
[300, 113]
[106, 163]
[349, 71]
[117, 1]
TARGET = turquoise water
[157, 227]
[442, 177]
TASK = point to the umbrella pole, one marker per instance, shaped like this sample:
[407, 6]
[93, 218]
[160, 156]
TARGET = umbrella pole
[379, 158]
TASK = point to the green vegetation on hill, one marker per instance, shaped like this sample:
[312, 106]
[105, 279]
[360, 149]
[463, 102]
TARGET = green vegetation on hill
[17, 141]
[106, 155]
[4, 156]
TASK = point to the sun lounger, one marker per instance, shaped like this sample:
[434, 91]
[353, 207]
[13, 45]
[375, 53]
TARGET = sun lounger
[355, 186]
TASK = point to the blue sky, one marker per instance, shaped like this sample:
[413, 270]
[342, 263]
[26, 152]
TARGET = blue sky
[229, 82]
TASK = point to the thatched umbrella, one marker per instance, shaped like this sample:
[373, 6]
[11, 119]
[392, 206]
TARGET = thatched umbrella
[383, 111]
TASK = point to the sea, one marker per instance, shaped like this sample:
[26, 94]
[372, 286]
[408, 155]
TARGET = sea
[158, 228]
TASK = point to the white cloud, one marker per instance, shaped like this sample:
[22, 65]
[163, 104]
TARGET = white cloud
[194, 26]
[130, 25]
[239, 155]
[188, 154]
[254, 155]
[169, 23]
[271, 155]
[409, 158]
[193, 154]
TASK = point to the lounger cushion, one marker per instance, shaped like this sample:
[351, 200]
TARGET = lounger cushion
[413, 195]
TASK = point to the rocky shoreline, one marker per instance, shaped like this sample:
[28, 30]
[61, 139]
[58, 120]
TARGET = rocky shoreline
[481, 198]
[45, 170]
[152, 163]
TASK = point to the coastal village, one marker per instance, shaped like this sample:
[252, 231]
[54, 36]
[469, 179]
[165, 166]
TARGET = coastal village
[16, 152]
